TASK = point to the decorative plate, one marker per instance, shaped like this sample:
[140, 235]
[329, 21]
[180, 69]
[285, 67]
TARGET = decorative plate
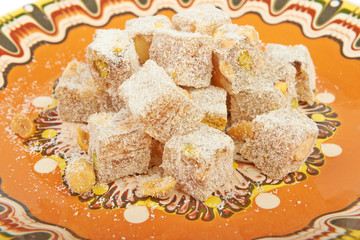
[319, 201]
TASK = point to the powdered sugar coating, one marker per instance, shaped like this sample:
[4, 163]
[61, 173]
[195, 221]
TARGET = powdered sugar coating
[299, 57]
[79, 95]
[277, 136]
[200, 161]
[212, 102]
[112, 58]
[186, 57]
[203, 19]
[155, 100]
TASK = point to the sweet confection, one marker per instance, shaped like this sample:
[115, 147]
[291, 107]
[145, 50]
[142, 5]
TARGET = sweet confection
[82, 138]
[299, 57]
[118, 146]
[155, 101]
[203, 19]
[158, 187]
[241, 130]
[281, 142]
[186, 57]
[157, 97]
[22, 126]
[79, 95]
[201, 161]
[237, 58]
[141, 30]
[212, 102]
[112, 58]
[255, 100]
[79, 175]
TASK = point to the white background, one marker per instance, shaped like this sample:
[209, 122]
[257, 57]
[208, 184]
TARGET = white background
[10, 5]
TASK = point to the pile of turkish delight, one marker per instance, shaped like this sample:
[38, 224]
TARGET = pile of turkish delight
[176, 95]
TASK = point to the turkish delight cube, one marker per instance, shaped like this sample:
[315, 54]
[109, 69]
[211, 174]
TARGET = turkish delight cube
[237, 58]
[300, 58]
[281, 142]
[78, 94]
[255, 100]
[203, 19]
[212, 102]
[141, 29]
[186, 57]
[118, 146]
[112, 58]
[201, 161]
[285, 81]
[155, 100]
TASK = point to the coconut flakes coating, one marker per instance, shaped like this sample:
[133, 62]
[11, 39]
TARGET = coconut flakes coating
[244, 30]
[203, 19]
[279, 137]
[212, 102]
[142, 29]
[236, 62]
[139, 117]
[118, 146]
[112, 58]
[300, 58]
[155, 100]
[146, 26]
[256, 99]
[79, 95]
[284, 77]
[186, 57]
[201, 161]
